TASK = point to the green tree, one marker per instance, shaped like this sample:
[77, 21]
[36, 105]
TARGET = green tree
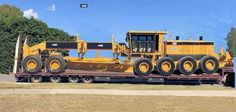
[10, 10]
[231, 41]
[12, 23]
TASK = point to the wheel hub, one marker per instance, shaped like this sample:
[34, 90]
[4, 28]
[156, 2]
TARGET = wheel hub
[31, 64]
[210, 64]
[166, 66]
[54, 64]
[55, 78]
[73, 78]
[36, 78]
[143, 67]
[188, 65]
[87, 78]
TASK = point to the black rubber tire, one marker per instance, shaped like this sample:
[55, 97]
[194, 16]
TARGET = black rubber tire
[204, 68]
[73, 79]
[55, 79]
[36, 79]
[87, 80]
[181, 65]
[159, 68]
[20, 79]
[35, 58]
[138, 72]
[62, 64]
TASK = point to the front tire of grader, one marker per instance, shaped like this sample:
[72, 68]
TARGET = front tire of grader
[55, 64]
[209, 64]
[143, 67]
[32, 64]
[187, 65]
[165, 66]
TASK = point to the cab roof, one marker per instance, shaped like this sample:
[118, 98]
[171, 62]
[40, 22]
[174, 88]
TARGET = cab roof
[146, 32]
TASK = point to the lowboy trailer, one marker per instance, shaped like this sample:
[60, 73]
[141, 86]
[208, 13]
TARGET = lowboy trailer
[73, 76]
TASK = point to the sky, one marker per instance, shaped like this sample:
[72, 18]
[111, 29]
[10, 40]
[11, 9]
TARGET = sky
[211, 19]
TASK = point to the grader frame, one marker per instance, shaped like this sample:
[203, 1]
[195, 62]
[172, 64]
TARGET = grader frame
[157, 52]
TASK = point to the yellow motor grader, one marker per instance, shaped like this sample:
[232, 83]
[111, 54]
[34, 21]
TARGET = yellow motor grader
[147, 51]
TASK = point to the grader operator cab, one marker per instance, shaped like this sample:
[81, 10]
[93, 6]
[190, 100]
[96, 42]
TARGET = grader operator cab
[142, 42]
[151, 51]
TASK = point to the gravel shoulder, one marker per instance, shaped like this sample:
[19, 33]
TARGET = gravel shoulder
[123, 86]
[7, 78]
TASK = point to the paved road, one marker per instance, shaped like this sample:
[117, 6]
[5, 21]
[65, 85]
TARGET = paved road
[207, 93]
[7, 78]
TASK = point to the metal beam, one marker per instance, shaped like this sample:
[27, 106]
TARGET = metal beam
[234, 73]
[17, 53]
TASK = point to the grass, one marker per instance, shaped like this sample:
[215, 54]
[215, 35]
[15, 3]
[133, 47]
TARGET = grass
[100, 103]
[110, 86]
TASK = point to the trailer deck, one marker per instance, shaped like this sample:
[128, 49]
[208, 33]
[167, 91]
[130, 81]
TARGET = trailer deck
[153, 78]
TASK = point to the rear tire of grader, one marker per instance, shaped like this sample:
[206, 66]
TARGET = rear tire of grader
[32, 64]
[55, 64]
[165, 66]
[209, 64]
[143, 67]
[187, 65]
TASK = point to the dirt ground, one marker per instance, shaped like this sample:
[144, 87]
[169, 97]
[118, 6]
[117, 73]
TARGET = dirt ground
[118, 92]
[109, 103]
[123, 86]
[67, 102]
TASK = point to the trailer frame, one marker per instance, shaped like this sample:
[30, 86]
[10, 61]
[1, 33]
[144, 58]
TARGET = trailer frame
[153, 78]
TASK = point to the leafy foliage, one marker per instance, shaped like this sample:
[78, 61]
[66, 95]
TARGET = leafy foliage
[8, 10]
[12, 23]
[230, 37]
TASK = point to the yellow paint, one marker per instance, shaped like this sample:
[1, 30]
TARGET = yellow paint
[31, 64]
[99, 64]
[53, 53]
[33, 50]
[81, 46]
[210, 64]
[225, 58]
[196, 49]
[188, 65]
[143, 67]
[166, 66]
[112, 64]
[116, 48]
[54, 64]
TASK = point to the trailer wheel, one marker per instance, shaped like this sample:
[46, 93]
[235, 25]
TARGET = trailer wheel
[19, 79]
[143, 67]
[73, 79]
[209, 64]
[187, 65]
[165, 66]
[87, 80]
[55, 79]
[36, 78]
[32, 64]
[55, 64]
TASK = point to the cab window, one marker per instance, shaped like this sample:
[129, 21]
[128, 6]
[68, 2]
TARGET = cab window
[142, 43]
